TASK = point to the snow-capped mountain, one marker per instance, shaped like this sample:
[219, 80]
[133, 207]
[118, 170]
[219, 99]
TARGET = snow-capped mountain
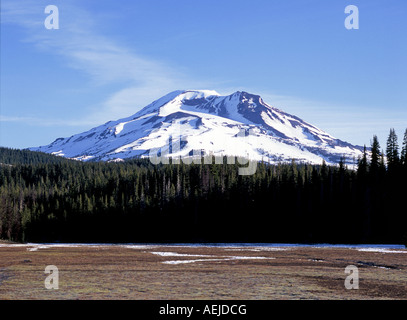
[240, 124]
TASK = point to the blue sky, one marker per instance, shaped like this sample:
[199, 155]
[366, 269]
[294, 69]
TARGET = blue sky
[108, 59]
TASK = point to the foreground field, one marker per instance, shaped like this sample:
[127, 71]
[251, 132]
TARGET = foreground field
[181, 272]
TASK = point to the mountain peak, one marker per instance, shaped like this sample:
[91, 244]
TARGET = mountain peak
[208, 122]
[202, 93]
[193, 94]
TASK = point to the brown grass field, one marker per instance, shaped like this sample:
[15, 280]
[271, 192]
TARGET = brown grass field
[208, 273]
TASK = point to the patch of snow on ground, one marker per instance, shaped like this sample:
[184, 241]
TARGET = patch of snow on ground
[381, 250]
[190, 261]
[257, 249]
[228, 258]
[141, 247]
[174, 254]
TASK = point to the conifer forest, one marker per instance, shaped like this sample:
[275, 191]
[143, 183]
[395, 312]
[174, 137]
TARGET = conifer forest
[45, 198]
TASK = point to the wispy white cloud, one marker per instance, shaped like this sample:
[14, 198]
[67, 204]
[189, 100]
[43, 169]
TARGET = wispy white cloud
[46, 122]
[103, 59]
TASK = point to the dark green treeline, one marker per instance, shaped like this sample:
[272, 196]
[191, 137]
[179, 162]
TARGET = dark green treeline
[45, 199]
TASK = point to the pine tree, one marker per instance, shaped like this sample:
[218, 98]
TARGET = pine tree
[362, 165]
[392, 150]
[375, 156]
[404, 150]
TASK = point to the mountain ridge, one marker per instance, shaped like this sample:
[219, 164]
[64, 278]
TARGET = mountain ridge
[209, 122]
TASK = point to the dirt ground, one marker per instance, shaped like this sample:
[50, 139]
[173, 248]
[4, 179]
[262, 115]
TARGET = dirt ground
[207, 273]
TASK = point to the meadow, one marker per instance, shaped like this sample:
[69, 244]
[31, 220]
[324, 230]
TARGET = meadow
[153, 272]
